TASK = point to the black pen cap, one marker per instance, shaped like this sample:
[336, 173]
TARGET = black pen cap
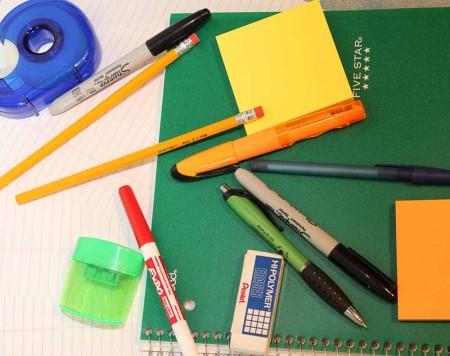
[364, 272]
[177, 32]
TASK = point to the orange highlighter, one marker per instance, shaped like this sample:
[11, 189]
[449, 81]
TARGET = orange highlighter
[220, 159]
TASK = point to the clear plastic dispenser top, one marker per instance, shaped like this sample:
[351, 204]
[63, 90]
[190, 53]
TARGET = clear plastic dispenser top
[48, 47]
[101, 281]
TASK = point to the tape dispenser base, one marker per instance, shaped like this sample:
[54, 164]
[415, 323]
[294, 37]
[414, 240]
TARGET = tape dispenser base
[47, 48]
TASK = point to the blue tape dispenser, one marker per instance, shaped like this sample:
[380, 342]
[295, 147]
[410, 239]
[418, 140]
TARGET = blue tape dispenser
[47, 47]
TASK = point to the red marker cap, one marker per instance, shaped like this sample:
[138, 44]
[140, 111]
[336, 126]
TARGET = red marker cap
[135, 216]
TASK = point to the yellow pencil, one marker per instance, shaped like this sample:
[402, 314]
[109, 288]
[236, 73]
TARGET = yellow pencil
[97, 112]
[141, 155]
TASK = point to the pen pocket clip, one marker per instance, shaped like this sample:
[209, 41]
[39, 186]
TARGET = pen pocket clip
[213, 173]
[260, 205]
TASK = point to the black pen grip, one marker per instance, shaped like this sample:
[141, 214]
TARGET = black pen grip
[364, 272]
[324, 286]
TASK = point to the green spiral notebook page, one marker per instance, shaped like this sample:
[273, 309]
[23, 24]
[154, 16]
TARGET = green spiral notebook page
[203, 242]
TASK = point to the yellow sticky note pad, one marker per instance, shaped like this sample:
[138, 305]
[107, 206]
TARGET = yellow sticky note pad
[423, 268]
[287, 63]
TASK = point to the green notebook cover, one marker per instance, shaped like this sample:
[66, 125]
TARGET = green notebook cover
[203, 242]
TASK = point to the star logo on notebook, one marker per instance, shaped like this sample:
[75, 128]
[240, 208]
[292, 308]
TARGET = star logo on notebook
[361, 60]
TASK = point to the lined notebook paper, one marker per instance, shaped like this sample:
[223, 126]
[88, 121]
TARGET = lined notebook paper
[37, 239]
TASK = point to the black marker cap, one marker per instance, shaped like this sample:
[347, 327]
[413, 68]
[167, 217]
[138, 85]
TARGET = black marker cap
[364, 272]
[177, 32]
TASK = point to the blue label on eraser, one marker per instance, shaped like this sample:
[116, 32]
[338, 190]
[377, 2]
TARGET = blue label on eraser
[262, 296]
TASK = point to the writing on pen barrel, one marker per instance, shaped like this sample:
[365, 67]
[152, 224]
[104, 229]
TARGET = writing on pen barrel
[420, 175]
[239, 201]
[141, 155]
[157, 271]
[97, 112]
[346, 258]
[218, 159]
[136, 59]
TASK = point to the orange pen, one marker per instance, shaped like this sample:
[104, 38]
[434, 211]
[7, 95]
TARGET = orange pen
[217, 160]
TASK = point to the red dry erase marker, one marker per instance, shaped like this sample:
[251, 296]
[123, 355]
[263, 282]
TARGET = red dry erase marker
[158, 272]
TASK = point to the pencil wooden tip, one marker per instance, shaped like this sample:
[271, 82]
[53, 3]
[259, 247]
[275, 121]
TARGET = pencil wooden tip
[20, 200]
[4, 182]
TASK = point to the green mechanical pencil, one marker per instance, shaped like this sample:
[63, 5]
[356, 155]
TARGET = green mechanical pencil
[320, 283]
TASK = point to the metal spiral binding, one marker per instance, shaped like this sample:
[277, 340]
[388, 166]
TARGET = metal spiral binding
[218, 344]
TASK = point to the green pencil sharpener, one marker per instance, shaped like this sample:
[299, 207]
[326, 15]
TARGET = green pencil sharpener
[101, 281]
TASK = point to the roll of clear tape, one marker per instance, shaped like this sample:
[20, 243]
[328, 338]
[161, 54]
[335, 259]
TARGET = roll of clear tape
[48, 47]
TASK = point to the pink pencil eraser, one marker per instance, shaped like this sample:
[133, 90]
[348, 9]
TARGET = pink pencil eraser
[194, 38]
[259, 112]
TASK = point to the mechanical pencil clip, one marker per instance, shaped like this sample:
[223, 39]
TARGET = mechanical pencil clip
[419, 175]
[349, 260]
[316, 279]
[136, 59]
[158, 272]
[219, 159]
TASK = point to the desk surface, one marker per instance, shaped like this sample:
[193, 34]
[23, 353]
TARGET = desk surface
[37, 239]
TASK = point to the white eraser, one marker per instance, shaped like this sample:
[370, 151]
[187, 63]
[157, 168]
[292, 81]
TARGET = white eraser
[256, 304]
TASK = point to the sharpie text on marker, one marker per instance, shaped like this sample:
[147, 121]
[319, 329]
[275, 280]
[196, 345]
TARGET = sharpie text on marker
[131, 62]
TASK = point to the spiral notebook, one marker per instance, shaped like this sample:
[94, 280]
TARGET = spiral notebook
[396, 62]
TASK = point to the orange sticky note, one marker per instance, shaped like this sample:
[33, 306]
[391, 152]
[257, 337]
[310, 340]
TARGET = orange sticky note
[423, 264]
